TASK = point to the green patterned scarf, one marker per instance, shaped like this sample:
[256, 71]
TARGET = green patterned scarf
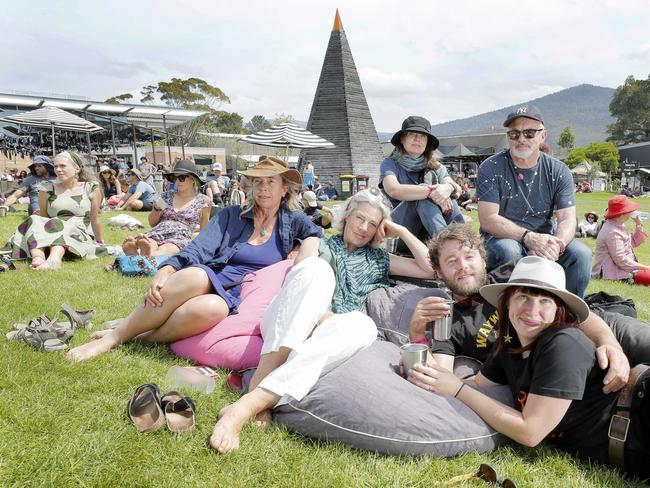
[407, 162]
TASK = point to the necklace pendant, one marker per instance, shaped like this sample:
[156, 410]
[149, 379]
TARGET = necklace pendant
[263, 232]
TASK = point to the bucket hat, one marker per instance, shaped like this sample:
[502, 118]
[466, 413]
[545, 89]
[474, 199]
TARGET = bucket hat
[619, 205]
[136, 172]
[184, 166]
[528, 111]
[591, 213]
[542, 274]
[43, 160]
[415, 123]
[271, 166]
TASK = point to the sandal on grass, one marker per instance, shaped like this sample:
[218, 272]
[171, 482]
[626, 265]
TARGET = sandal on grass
[179, 412]
[79, 319]
[144, 408]
[10, 264]
[43, 335]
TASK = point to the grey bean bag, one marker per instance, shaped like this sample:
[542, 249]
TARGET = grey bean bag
[366, 404]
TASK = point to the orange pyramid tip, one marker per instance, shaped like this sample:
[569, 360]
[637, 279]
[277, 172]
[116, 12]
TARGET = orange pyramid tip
[338, 25]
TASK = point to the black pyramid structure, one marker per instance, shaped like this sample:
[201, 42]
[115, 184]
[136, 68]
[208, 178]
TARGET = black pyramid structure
[340, 114]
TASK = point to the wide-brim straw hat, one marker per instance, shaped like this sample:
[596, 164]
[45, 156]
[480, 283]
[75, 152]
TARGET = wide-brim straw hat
[591, 213]
[271, 166]
[102, 169]
[620, 205]
[136, 172]
[184, 166]
[543, 274]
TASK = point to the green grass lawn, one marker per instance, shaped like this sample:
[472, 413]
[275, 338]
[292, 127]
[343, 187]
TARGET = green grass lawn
[65, 424]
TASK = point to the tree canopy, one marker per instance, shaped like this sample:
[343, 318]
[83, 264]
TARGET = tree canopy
[258, 123]
[567, 139]
[604, 155]
[630, 106]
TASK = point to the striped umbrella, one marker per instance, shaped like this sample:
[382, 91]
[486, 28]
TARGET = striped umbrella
[53, 118]
[287, 135]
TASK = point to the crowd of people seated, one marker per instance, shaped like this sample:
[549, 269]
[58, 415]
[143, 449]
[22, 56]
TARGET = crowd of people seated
[563, 363]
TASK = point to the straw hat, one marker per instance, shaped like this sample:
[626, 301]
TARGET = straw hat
[103, 169]
[591, 213]
[271, 166]
[543, 274]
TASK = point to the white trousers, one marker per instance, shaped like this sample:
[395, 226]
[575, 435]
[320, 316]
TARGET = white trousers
[290, 320]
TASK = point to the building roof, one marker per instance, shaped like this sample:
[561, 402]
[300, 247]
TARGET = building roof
[149, 116]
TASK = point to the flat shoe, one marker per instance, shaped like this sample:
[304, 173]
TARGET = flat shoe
[179, 412]
[79, 319]
[144, 408]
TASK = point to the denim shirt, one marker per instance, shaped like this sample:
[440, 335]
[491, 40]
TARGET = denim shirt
[227, 231]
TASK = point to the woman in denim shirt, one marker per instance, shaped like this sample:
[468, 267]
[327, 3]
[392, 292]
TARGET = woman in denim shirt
[199, 287]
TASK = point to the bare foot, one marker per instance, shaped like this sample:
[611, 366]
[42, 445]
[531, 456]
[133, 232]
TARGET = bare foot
[92, 349]
[225, 435]
[36, 262]
[263, 419]
[49, 265]
[146, 246]
[128, 246]
[98, 334]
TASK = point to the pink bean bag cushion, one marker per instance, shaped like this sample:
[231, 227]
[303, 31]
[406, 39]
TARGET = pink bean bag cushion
[235, 342]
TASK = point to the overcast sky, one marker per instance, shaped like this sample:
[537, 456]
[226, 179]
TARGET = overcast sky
[441, 59]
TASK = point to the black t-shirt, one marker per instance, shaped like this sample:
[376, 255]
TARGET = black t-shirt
[474, 323]
[562, 364]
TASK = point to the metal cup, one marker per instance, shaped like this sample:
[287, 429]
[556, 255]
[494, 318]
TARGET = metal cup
[442, 327]
[159, 203]
[413, 354]
[391, 244]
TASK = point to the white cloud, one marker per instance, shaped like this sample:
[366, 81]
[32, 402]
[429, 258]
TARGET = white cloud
[381, 83]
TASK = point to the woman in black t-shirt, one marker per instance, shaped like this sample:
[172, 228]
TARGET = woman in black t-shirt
[551, 368]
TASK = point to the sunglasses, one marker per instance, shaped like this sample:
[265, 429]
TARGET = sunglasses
[381, 195]
[180, 178]
[487, 473]
[528, 133]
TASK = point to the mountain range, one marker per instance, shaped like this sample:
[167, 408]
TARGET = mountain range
[585, 108]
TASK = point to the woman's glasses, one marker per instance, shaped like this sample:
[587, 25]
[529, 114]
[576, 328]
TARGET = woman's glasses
[528, 133]
[485, 472]
[180, 178]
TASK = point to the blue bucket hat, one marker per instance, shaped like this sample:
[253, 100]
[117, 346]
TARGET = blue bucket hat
[44, 160]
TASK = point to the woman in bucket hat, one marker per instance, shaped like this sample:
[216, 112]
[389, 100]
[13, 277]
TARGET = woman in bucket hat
[175, 215]
[614, 257]
[40, 170]
[588, 227]
[418, 185]
[111, 187]
[199, 289]
[551, 369]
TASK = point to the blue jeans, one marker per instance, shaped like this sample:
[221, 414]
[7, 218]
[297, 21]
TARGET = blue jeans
[33, 206]
[425, 214]
[576, 260]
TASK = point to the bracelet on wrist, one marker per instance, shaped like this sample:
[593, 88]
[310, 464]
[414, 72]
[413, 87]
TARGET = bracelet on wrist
[431, 189]
[523, 237]
[458, 391]
[99, 241]
[423, 340]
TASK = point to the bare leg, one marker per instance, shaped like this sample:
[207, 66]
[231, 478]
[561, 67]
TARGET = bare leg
[225, 435]
[128, 246]
[54, 259]
[179, 288]
[268, 362]
[38, 258]
[166, 248]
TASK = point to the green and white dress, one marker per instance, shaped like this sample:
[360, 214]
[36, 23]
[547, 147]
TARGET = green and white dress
[67, 225]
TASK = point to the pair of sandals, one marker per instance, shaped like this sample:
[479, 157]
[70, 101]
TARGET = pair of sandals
[10, 265]
[150, 411]
[48, 334]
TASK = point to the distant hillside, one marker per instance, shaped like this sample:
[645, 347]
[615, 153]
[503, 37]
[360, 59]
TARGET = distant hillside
[584, 107]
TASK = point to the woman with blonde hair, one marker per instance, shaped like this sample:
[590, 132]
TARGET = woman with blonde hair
[200, 287]
[418, 185]
[68, 220]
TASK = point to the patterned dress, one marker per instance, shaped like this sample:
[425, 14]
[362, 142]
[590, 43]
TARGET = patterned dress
[176, 226]
[67, 225]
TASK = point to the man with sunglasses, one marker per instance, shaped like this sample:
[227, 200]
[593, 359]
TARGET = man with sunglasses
[518, 190]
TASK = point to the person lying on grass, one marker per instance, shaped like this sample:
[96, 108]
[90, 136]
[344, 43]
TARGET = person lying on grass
[174, 216]
[551, 368]
[315, 323]
[458, 257]
[200, 286]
